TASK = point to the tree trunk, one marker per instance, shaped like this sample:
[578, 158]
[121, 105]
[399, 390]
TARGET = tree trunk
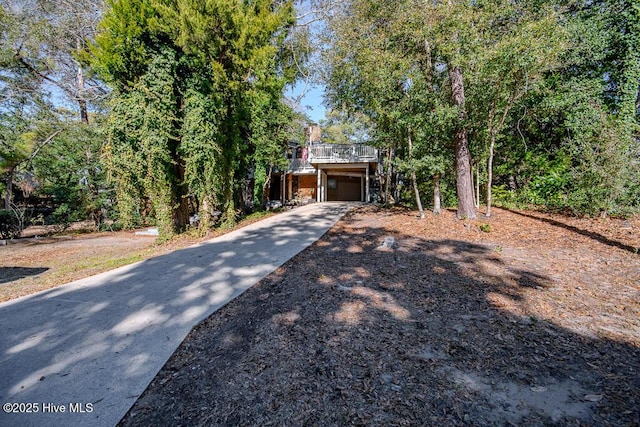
[464, 188]
[413, 177]
[84, 115]
[180, 213]
[493, 131]
[266, 187]
[417, 192]
[387, 191]
[490, 173]
[436, 195]
[204, 214]
[229, 210]
[8, 197]
[475, 198]
[478, 186]
[396, 188]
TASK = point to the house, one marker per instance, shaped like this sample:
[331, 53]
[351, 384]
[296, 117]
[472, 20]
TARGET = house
[329, 172]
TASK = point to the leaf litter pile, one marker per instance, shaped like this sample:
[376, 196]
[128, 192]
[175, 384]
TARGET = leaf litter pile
[519, 319]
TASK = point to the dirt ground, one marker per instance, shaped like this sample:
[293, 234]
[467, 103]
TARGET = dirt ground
[40, 260]
[393, 320]
[34, 264]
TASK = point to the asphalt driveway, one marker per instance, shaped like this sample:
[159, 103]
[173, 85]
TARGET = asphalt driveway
[82, 353]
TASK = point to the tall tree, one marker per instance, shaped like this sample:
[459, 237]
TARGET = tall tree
[518, 45]
[48, 40]
[274, 125]
[212, 58]
[27, 119]
[407, 37]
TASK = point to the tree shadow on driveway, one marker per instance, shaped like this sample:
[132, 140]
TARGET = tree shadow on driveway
[102, 339]
[431, 332]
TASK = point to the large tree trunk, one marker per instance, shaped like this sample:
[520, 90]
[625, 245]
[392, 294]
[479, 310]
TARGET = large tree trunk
[180, 213]
[464, 187]
[436, 195]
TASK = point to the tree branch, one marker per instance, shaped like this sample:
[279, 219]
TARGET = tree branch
[45, 142]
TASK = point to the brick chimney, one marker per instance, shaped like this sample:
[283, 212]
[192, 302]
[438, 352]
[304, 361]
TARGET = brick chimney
[313, 133]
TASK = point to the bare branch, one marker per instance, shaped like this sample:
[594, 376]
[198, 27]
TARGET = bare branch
[39, 147]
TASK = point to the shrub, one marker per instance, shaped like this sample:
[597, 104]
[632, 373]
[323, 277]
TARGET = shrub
[485, 228]
[10, 224]
[64, 216]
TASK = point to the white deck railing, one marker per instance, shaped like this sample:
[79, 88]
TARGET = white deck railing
[342, 153]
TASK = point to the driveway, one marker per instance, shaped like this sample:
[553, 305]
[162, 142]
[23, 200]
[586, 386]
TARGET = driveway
[81, 354]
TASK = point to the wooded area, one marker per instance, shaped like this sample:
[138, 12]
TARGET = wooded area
[134, 112]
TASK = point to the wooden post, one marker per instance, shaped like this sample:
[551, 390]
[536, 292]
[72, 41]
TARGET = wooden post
[319, 190]
[368, 188]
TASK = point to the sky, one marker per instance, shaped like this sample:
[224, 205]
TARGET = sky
[314, 99]
[311, 101]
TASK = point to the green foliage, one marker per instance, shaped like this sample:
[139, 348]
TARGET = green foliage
[201, 149]
[601, 165]
[546, 180]
[187, 75]
[64, 216]
[126, 41]
[551, 92]
[70, 172]
[340, 127]
[274, 124]
[10, 224]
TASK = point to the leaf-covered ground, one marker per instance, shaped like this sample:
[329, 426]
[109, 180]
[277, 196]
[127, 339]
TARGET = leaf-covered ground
[40, 260]
[535, 322]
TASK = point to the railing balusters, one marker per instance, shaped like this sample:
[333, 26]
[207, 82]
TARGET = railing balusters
[334, 153]
[341, 153]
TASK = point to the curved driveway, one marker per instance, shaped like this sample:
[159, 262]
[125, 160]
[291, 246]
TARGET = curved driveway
[82, 353]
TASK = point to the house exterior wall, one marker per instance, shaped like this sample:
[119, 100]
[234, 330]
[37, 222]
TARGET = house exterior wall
[307, 187]
[302, 188]
[311, 168]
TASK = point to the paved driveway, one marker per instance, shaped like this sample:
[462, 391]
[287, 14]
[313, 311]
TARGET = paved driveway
[81, 354]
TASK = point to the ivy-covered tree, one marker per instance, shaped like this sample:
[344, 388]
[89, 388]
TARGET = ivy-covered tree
[186, 75]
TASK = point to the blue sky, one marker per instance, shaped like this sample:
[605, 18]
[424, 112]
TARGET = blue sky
[312, 100]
